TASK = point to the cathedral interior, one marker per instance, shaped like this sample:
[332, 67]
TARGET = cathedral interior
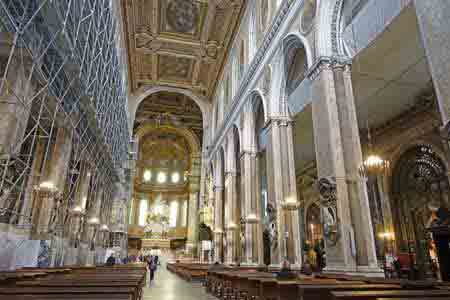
[310, 137]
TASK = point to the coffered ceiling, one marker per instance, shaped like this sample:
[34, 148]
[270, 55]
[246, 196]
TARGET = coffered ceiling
[179, 43]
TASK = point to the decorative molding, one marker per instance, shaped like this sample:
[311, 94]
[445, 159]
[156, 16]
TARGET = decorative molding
[335, 26]
[327, 63]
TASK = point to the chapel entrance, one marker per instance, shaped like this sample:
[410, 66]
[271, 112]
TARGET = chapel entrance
[420, 193]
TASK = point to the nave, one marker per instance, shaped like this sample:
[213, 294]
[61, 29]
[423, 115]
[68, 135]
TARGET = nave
[307, 138]
[169, 286]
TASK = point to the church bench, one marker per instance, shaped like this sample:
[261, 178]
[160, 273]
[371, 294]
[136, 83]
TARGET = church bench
[426, 298]
[373, 295]
[311, 288]
[110, 296]
[36, 290]
[310, 292]
[90, 279]
[247, 285]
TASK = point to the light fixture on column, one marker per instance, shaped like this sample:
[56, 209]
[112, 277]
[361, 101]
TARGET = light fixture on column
[232, 226]
[290, 204]
[94, 221]
[373, 164]
[252, 218]
[77, 210]
[47, 186]
[104, 228]
[218, 231]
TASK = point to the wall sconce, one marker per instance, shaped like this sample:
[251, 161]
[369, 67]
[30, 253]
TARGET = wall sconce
[232, 226]
[290, 204]
[252, 219]
[94, 221]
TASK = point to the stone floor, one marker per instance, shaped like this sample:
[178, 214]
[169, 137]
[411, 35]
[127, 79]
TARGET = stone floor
[168, 286]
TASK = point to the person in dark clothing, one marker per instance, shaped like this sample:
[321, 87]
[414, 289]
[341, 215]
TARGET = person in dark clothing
[152, 267]
[156, 258]
[111, 261]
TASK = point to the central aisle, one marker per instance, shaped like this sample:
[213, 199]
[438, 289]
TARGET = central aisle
[168, 286]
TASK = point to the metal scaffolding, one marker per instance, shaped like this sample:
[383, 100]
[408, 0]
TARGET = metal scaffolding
[60, 68]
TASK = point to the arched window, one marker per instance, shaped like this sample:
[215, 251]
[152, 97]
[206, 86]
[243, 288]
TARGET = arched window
[162, 177]
[173, 214]
[130, 217]
[143, 207]
[184, 214]
[147, 175]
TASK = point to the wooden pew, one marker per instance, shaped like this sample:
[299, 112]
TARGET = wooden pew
[373, 295]
[427, 298]
[121, 282]
[62, 292]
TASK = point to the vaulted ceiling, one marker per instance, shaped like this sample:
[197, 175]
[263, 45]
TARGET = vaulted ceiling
[179, 43]
[168, 108]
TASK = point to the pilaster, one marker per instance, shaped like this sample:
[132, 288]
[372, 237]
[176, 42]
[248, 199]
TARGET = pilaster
[193, 216]
[232, 214]
[52, 184]
[254, 254]
[218, 224]
[282, 190]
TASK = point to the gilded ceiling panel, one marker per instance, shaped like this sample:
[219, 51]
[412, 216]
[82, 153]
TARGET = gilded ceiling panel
[180, 43]
[175, 68]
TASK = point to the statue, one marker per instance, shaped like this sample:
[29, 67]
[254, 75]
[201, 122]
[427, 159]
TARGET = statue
[242, 236]
[330, 220]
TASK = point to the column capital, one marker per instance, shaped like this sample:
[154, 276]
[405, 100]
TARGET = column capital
[248, 152]
[232, 173]
[217, 188]
[278, 121]
[328, 63]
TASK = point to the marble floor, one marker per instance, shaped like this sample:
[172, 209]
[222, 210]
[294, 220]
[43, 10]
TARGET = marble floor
[168, 286]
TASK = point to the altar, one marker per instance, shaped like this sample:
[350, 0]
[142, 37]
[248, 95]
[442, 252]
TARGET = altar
[153, 243]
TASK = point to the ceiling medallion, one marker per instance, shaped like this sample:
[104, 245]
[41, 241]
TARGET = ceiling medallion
[309, 12]
[182, 15]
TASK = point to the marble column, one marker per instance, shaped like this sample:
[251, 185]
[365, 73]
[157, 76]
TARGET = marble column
[193, 203]
[254, 253]
[349, 239]
[193, 219]
[231, 218]
[52, 183]
[218, 224]
[31, 194]
[282, 192]
[179, 222]
[92, 224]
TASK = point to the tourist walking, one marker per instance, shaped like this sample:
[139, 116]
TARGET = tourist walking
[152, 267]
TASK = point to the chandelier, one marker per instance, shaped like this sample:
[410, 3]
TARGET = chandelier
[373, 164]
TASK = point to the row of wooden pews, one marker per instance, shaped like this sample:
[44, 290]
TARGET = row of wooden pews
[189, 271]
[248, 284]
[123, 282]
